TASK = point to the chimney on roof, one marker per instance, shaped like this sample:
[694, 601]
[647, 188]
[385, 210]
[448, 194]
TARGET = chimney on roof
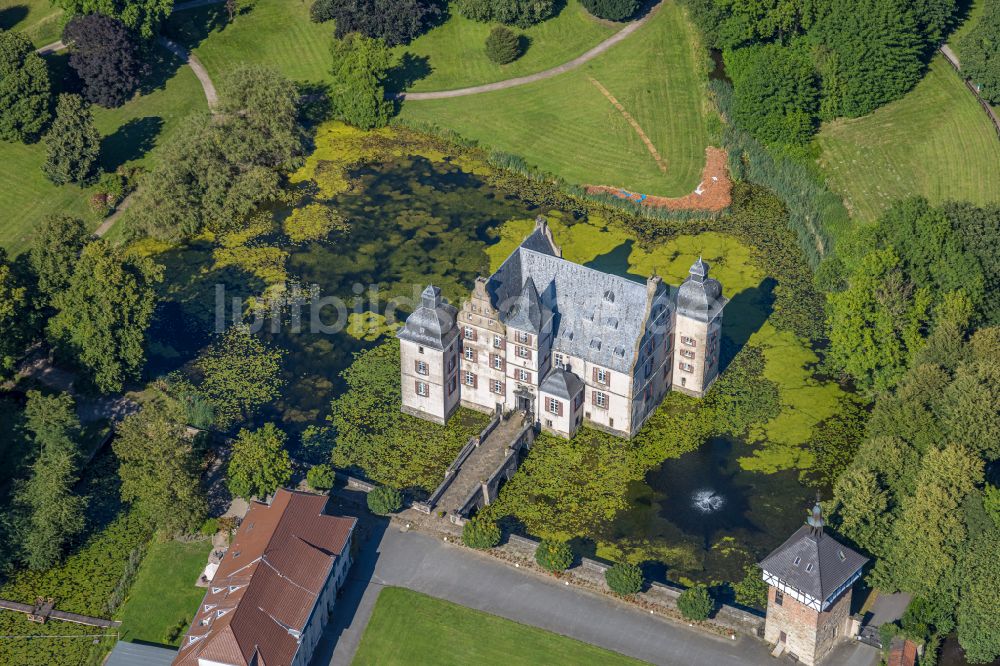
[816, 520]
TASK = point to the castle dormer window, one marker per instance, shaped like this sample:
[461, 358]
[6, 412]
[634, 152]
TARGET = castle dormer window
[611, 323]
[595, 344]
[609, 296]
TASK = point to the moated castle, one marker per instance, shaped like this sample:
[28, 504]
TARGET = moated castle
[565, 343]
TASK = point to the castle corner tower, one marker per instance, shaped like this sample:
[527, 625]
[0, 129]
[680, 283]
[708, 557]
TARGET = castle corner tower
[809, 579]
[428, 354]
[698, 331]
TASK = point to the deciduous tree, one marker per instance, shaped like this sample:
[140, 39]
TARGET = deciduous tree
[360, 65]
[72, 144]
[612, 10]
[55, 249]
[980, 54]
[16, 314]
[259, 463]
[142, 16]
[522, 13]
[394, 21]
[25, 90]
[105, 55]
[102, 317]
[50, 514]
[978, 629]
[160, 468]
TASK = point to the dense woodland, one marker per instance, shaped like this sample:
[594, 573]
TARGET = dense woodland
[906, 309]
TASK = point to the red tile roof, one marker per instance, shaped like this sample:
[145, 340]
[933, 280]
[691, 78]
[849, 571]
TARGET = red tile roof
[268, 583]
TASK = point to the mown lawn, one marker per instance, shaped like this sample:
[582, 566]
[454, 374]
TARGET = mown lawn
[131, 134]
[935, 142]
[407, 627]
[279, 33]
[39, 19]
[565, 126]
[164, 593]
[453, 54]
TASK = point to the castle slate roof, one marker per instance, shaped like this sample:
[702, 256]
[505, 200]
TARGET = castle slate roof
[700, 297]
[267, 583]
[598, 317]
[433, 323]
[527, 313]
[561, 384]
[813, 563]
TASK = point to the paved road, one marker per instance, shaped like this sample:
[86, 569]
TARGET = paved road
[538, 76]
[420, 562]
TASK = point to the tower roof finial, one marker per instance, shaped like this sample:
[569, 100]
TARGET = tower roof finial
[815, 521]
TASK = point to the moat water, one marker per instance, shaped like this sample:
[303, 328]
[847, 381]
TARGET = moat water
[415, 222]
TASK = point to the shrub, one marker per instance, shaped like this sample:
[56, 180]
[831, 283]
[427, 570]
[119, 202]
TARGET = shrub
[522, 13]
[612, 10]
[209, 527]
[395, 21]
[503, 45]
[385, 500]
[481, 534]
[695, 603]
[624, 578]
[554, 556]
[320, 477]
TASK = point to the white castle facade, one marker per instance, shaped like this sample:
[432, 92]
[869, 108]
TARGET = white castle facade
[562, 342]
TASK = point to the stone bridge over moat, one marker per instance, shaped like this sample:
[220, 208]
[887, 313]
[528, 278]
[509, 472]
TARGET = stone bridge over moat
[473, 479]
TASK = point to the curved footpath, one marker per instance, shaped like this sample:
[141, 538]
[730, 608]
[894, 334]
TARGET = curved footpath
[538, 76]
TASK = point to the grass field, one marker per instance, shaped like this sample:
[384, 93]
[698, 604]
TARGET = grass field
[411, 628]
[935, 142]
[164, 593]
[130, 133]
[280, 34]
[565, 125]
[36, 18]
[455, 55]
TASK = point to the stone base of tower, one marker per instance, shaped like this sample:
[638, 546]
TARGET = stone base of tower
[427, 416]
[808, 635]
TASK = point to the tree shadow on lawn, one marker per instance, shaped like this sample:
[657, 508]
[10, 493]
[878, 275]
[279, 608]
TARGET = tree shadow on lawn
[11, 16]
[745, 314]
[411, 68]
[129, 142]
[192, 26]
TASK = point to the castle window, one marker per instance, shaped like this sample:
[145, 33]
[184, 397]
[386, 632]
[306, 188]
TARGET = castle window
[687, 353]
[554, 406]
[522, 337]
[686, 367]
[496, 386]
[470, 354]
[611, 323]
[779, 597]
[600, 375]
[452, 385]
[595, 344]
[690, 342]
[423, 389]
[809, 567]
[470, 333]
[796, 562]
[601, 399]
[560, 361]
[523, 352]
[523, 375]
[422, 368]
[498, 361]
[420, 349]
[470, 378]
[497, 341]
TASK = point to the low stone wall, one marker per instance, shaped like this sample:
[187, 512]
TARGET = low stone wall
[354, 483]
[660, 597]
